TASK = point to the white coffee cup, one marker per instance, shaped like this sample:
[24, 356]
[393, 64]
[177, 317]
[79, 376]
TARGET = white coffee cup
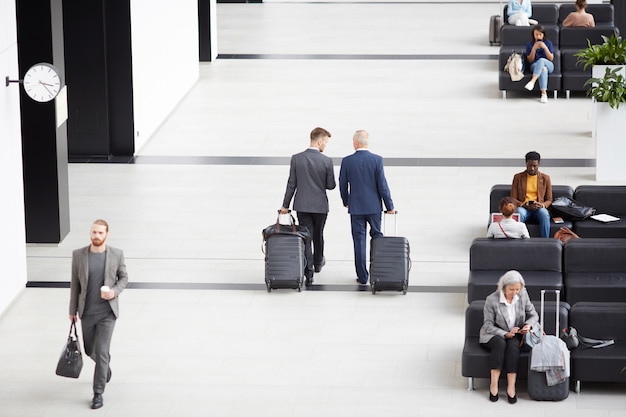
[104, 289]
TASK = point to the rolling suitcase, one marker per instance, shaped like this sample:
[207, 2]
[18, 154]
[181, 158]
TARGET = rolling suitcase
[538, 388]
[284, 255]
[495, 25]
[390, 261]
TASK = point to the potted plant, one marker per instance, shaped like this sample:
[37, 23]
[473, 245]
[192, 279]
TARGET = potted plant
[611, 52]
[611, 88]
[609, 92]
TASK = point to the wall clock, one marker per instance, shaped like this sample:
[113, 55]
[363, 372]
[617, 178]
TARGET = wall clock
[42, 82]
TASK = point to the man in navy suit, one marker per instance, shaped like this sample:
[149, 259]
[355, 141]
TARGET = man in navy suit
[310, 175]
[363, 188]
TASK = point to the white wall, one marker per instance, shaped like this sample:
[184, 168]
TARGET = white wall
[12, 233]
[165, 60]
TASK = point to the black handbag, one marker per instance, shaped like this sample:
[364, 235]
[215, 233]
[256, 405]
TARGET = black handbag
[71, 360]
[573, 340]
[291, 229]
[571, 209]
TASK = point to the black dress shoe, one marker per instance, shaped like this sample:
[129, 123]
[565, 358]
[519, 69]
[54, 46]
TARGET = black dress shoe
[318, 267]
[308, 281]
[361, 282]
[97, 401]
[493, 398]
[512, 400]
[109, 374]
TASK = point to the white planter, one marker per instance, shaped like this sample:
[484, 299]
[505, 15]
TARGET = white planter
[598, 71]
[610, 126]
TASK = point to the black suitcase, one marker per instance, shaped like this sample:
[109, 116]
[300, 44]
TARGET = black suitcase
[495, 26]
[538, 388]
[390, 263]
[284, 262]
[284, 255]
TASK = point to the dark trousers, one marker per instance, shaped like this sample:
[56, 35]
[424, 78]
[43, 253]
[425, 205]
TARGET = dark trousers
[504, 353]
[359, 237]
[97, 335]
[314, 249]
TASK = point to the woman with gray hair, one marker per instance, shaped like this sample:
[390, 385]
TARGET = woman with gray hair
[508, 316]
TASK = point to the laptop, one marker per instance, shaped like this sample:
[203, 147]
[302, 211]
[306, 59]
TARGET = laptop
[497, 217]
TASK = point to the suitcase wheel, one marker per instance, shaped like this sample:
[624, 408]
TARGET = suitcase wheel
[269, 287]
[373, 288]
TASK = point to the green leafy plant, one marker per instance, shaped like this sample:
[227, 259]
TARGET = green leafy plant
[611, 52]
[611, 88]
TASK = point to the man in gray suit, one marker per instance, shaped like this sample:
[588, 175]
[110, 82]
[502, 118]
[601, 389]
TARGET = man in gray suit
[98, 277]
[310, 175]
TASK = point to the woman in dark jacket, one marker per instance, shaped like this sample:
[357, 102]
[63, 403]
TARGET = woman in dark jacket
[540, 54]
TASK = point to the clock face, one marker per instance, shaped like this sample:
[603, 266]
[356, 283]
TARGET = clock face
[42, 82]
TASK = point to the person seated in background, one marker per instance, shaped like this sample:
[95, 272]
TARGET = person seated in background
[519, 12]
[508, 228]
[579, 18]
[532, 191]
[540, 53]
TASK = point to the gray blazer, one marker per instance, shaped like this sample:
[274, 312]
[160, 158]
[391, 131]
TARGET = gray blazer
[494, 313]
[311, 173]
[115, 277]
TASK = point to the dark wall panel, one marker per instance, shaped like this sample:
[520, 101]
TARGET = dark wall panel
[120, 77]
[46, 201]
[88, 125]
[99, 78]
[204, 30]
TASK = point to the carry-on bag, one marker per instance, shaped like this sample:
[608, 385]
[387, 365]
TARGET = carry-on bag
[538, 387]
[495, 26]
[570, 209]
[71, 361]
[390, 260]
[284, 254]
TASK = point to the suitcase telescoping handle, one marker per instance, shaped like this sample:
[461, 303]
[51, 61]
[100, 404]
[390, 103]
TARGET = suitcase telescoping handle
[390, 216]
[542, 308]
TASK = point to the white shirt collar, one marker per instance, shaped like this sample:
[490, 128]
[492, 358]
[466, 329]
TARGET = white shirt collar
[503, 299]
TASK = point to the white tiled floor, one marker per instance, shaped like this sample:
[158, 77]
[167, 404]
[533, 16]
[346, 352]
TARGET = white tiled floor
[242, 352]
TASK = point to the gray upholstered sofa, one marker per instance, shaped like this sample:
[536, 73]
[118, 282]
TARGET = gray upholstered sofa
[568, 75]
[499, 191]
[599, 320]
[539, 261]
[475, 359]
[606, 199]
[595, 270]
